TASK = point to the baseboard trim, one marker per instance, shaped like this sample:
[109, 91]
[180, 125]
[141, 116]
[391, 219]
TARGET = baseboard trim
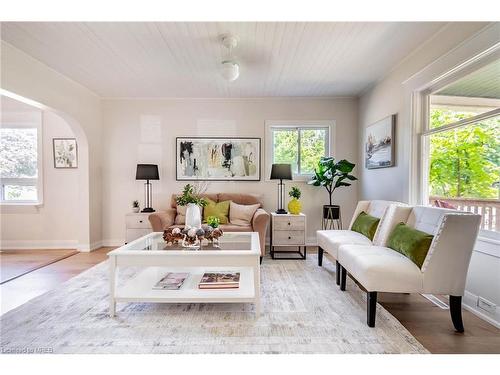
[38, 244]
[470, 304]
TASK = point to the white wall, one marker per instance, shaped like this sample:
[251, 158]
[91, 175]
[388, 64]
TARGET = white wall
[55, 223]
[123, 148]
[80, 108]
[388, 97]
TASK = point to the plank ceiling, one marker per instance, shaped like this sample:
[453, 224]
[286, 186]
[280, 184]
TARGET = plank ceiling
[181, 59]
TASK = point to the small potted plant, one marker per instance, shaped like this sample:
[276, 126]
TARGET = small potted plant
[213, 221]
[332, 175]
[135, 206]
[193, 201]
[294, 205]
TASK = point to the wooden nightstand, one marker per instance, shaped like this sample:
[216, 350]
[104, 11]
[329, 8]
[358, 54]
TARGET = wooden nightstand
[136, 225]
[288, 230]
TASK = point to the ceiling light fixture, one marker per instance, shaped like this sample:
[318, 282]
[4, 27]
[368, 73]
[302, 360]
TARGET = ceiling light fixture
[230, 68]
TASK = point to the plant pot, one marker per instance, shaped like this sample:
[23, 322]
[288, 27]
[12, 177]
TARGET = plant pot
[193, 216]
[331, 212]
[294, 206]
[136, 209]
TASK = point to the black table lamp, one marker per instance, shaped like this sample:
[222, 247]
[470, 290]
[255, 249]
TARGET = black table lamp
[147, 172]
[281, 172]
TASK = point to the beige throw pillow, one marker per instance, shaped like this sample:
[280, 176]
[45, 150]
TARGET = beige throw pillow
[180, 218]
[242, 214]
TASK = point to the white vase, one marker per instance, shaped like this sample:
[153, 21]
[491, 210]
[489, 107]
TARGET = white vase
[193, 216]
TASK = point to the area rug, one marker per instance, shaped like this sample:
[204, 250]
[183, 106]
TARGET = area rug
[303, 311]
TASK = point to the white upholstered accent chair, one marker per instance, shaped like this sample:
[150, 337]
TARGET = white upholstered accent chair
[331, 240]
[444, 271]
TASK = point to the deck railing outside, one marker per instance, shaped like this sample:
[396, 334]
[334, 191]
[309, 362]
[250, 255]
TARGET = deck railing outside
[489, 209]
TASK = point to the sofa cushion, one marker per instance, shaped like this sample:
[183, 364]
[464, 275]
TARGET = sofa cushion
[366, 225]
[236, 228]
[331, 240]
[379, 268]
[242, 214]
[410, 242]
[217, 209]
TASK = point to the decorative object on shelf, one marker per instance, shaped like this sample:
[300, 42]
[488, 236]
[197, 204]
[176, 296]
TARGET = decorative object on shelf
[213, 221]
[192, 237]
[65, 152]
[135, 206]
[191, 198]
[380, 143]
[294, 206]
[281, 172]
[332, 175]
[147, 172]
[217, 159]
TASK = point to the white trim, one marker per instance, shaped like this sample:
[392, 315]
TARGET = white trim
[470, 304]
[268, 153]
[487, 245]
[38, 244]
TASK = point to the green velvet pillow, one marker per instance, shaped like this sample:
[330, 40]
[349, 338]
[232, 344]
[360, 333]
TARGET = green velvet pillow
[220, 210]
[365, 224]
[412, 243]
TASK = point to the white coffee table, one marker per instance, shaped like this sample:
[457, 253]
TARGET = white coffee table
[239, 252]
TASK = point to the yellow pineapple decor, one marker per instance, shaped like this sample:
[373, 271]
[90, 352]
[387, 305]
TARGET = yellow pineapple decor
[294, 206]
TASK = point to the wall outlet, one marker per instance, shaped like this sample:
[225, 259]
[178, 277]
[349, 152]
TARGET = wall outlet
[486, 305]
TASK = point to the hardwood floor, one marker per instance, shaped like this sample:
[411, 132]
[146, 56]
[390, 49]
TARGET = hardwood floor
[428, 323]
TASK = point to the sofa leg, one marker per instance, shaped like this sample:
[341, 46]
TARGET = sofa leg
[371, 308]
[456, 313]
[337, 272]
[343, 277]
[320, 256]
[261, 260]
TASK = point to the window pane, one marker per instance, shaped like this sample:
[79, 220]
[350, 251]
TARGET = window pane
[447, 114]
[286, 147]
[18, 152]
[312, 148]
[20, 193]
[464, 170]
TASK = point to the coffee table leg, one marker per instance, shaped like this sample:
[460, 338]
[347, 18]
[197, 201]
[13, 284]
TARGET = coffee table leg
[112, 286]
[256, 279]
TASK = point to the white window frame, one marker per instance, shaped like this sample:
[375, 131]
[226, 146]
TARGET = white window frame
[26, 181]
[271, 125]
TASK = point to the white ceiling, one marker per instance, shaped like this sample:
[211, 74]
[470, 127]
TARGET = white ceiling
[181, 59]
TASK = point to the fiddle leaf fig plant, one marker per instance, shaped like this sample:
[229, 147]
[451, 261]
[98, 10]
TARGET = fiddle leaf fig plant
[332, 174]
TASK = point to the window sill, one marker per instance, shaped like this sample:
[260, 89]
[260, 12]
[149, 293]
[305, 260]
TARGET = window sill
[20, 208]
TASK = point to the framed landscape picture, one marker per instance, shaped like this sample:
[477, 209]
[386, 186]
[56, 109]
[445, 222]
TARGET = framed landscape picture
[380, 143]
[218, 159]
[65, 153]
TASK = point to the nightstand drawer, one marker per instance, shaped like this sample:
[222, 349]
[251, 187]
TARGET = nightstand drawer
[288, 223]
[137, 221]
[284, 238]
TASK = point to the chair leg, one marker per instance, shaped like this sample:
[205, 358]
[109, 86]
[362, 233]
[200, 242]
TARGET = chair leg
[260, 260]
[456, 313]
[320, 256]
[371, 308]
[343, 277]
[337, 273]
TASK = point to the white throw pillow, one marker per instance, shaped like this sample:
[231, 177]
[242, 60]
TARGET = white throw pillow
[242, 214]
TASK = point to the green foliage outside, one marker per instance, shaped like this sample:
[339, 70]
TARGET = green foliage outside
[312, 148]
[464, 162]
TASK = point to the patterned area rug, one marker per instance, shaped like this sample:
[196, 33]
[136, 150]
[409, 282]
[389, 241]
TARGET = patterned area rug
[303, 311]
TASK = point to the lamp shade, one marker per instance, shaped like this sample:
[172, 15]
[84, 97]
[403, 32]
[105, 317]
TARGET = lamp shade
[281, 172]
[147, 172]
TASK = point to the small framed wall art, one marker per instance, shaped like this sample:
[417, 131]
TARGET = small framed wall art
[380, 143]
[65, 153]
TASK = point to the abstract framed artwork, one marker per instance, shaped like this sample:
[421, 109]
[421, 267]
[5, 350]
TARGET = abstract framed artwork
[65, 152]
[218, 159]
[380, 143]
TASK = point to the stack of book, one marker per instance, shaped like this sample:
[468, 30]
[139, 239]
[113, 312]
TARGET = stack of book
[171, 281]
[220, 280]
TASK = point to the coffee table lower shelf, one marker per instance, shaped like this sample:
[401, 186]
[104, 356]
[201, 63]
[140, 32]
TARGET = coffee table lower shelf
[140, 287]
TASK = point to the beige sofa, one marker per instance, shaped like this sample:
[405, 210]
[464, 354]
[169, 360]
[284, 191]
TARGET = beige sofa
[166, 219]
